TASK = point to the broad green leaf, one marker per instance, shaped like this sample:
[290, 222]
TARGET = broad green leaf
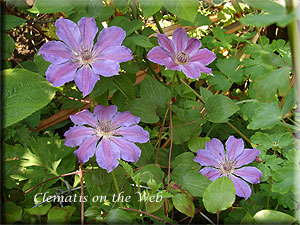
[146, 155]
[118, 216]
[105, 14]
[150, 171]
[184, 204]
[227, 66]
[185, 9]
[93, 211]
[267, 19]
[263, 140]
[181, 133]
[268, 216]
[195, 183]
[44, 6]
[11, 21]
[40, 210]
[154, 90]
[219, 195]
[248, 219]
[9, 46]
[197, 143]
[153, 206]
[266, 116]
[94, 8]
[219, 81]
[140, 40]
[12, 213]
[128, 25]
[25, 92]
[125, 85]
[284, 179]
[219, 108]
[59, 215]
[265, 87]
[289, 101]
[205, 93]
[267, 5]
[150, 7]
[144, 109]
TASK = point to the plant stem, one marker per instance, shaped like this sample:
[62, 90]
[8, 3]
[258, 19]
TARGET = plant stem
[171, 145]
[81, 184]
[157, 24]
[116, 186]
[239, 132]
[195, 93]
[269, 190]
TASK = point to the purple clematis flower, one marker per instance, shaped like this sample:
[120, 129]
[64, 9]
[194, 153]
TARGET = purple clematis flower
[228, 164]
[78, 59]
[182, 53]
[117, 132]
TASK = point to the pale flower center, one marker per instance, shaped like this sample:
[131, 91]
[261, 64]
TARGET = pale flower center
[227, 168]
[105, 129]
[182, 57]
[85, 56]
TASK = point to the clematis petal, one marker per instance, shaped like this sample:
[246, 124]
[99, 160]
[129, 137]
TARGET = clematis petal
[106, 68]
[246, 157]
[159, 55]
[87, 149]
[172, 65]
[124, 119]
[75, 135]
[249, 173]
[205, 158]
[86, 79]
[129, 151]
[234, 147]
[107, 154]
[166, 43]
[241, 187]
[68, 32]
[56, 52]
[180, 39]
[105, 113]
[210, 173]
[133, 133]
[191, 70]
[111, 36]
[84, 117]
[115, 53]
[88, 29]
[59, 74]
[216, 149]
[193, 46]
[203, 56]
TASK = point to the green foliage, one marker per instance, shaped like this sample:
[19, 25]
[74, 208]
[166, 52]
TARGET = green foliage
[25, 92]
[184, 204]
[219, 195]
[58, 215]
[269, 216]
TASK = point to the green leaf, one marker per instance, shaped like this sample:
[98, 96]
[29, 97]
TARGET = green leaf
[268, 216]
[128, 25]
[265, 87]
[248, 219]
[118, 216]
[153, 206]
[267, 5]
[40, 210]
[144, 109]
[220, 81]
[9, 46]
[105, 14]
[266, 116]
[25, 92]
[195, 183]
[11, 21]
[181, 133]
[150, 171]
[150, 7]
[184, 204]
[44, 6]
[219, 195]
[205, 93]
[185, 9]
[197, 143]
[94, 8]
[125, 85]
[12, 213]
[284, 179]
[146, 155]
[59, 215]
[140, 40]
[263, 140]
[219, 108]
[154, 90]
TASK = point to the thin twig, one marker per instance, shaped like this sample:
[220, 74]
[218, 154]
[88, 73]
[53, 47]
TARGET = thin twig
[158, 25]
[82, 204]
[239, 132]
[171, 145]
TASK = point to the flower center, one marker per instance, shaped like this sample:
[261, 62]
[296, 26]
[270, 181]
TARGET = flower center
[182, 57]
[104, 129]
[227, 168]
[86, 56]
